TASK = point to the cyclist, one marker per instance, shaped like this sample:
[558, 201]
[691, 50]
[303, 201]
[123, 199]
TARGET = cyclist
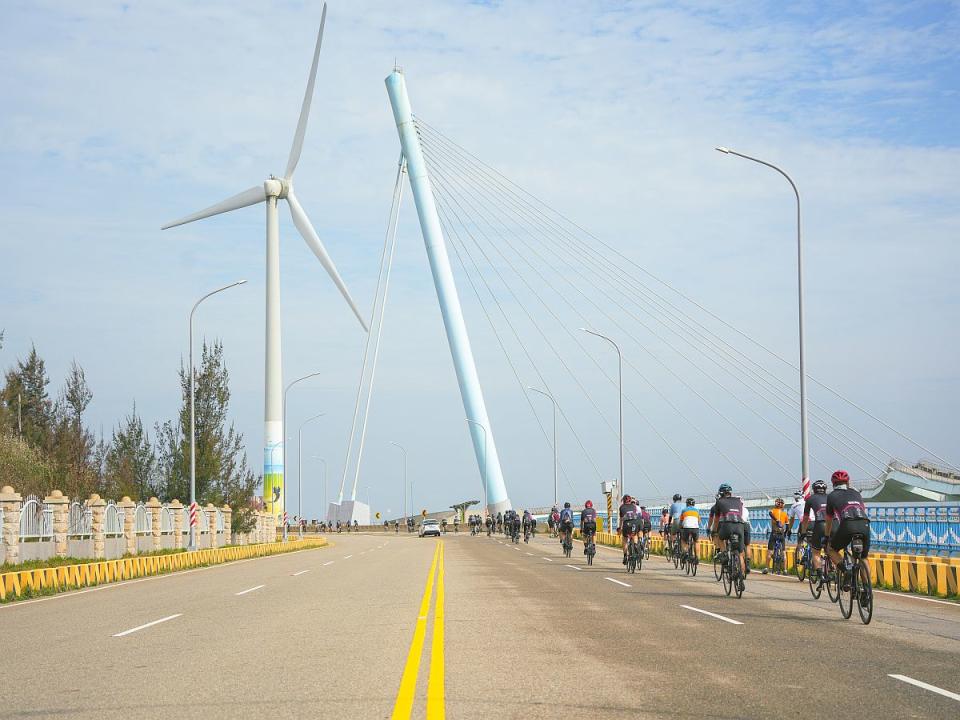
[664, 523]
[846, 516]
[778, 528]
[527, 523]
[515, 524]
[728, 514]
[645, 524]
[676, 509]
[489, 523]
[566, 522]
[499, 522]
[795, 513]
[816, 508]
[555, 521]
[588, 523]
[629, 523]
[690, 526]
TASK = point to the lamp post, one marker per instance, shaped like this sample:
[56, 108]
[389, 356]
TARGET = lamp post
[486, 508]
[804, 451]
[404, 451]
[555, 455]
[300, 465]
[284, 436]
[619, 489]
[193, 421]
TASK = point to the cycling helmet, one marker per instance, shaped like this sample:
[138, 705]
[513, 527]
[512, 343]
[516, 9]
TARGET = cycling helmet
[677, 498]
[691, 502]
[664, 512]
[820, 487]
[840, 477]
[588, 504]
[724, 489]
[566, 505]
[778, 502]
[627, 500]
[643, 507]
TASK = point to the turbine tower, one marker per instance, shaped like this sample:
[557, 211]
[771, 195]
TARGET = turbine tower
[273, 190]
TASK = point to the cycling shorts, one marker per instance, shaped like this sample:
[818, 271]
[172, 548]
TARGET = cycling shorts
[843, 534]
[687, 534]
[675, 526]
[588, 527]
[629, 527]
[647, 526]
[818, 535]
[729, 528]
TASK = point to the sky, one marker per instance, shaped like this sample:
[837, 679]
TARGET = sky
[119, 117]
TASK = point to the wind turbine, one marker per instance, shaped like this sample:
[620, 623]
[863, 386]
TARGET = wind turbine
[273, 190]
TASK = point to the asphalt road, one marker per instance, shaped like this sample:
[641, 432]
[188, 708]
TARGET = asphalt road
[351, 631]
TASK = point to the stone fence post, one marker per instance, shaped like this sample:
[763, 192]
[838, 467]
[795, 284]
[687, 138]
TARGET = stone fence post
[269, 528]
[211, 512]
[176, 507]
[156, 528]
[129, 508]
[227, 524]
[98, 507]
[61, 521]
[11, 502]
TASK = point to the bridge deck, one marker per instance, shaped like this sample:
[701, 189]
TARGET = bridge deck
[327, 633]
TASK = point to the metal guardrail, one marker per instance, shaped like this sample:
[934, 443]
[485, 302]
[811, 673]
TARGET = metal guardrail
[166, 521]
[112, 520]
[80, 523]
[202, 522]
[220, 521]
[143, 520]
[36, 520]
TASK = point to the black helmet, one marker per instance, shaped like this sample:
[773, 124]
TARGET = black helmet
[677, 497]
[566, 505]
[820, 487]
[691, 502]
[725, 489]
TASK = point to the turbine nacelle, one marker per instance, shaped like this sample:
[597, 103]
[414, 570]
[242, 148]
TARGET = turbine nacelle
[277, 187]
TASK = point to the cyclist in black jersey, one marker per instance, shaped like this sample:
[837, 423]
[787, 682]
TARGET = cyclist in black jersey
[815, 506]
[846, 516]
[727, 517]
[588, 524]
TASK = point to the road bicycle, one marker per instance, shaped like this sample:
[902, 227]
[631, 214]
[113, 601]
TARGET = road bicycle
[567, 544]
[854, 582]
[676, 552]
[633, 555]
[732, 572]
[778, 553]
[719, 558]
[692, 561]
[589, 548]
[803, 556]
[526, 533]
[645, 546]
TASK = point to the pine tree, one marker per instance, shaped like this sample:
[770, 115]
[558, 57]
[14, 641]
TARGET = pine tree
[131, 464]
[29, 408]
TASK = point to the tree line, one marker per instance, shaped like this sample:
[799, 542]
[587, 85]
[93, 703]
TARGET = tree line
[46, 443]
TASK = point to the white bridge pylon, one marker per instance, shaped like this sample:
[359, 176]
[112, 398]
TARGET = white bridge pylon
[484, 445]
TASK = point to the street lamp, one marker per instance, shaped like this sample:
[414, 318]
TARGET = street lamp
[804, 451]
[555, 460]
[193, 421]
[620, 384]
[284, 436]
[404, 451]
[486, 507]
[300, 465]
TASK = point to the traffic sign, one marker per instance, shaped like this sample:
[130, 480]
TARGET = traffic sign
[378, 516]
[423, 512]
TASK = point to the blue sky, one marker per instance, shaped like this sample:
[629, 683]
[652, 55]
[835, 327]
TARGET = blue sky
[119, 117]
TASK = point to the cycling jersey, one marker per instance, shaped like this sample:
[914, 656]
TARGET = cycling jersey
[629, 512]
[797, 511]
[588, 515]
[778, 515]
[729, 509]
[816, 508]
[676, 510]
[527, 518]
[566, 516]
[690, 518]
[846, 504]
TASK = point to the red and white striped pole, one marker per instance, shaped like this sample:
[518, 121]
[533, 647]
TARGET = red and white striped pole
[806, 489]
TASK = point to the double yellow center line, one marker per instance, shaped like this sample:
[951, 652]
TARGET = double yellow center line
[435, 683]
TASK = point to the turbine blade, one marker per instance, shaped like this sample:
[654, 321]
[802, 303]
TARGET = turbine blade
[302, 222]
[248, 197]
[307, 98]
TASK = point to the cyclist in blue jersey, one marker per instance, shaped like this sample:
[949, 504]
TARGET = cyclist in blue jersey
[676, 510]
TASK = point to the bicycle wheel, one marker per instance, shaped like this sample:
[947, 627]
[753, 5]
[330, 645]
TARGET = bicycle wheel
[802, 561]
[675, 552]
[833, 586]
[694, 562]
[864, 590]
[717, 566]
[816, 588]
[847, 584]
[727, 577]
[646, 549]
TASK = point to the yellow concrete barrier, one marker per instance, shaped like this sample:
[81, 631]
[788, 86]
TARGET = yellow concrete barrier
[923, 574]
[17, 583]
